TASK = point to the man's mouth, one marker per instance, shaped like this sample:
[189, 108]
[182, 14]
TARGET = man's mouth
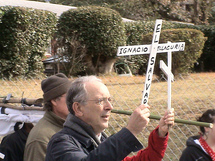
[106, 116]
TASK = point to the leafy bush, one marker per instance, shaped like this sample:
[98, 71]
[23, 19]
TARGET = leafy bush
[25, 36]
[212, 16]
[100, 29]
[207, 59]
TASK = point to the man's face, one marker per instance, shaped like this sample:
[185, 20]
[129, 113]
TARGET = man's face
[97, 108]
[60, 107]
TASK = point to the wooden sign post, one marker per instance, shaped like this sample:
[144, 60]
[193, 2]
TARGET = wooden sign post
[167, 71]
[151, 62]
[152, 49]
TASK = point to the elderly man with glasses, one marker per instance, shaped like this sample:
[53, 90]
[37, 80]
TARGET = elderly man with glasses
[83, 138]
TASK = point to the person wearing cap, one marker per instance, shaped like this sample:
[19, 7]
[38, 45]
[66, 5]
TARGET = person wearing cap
[83, 138]
[54, 94]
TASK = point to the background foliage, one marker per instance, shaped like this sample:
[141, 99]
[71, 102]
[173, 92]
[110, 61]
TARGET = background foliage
[197, 12]
[99, 29]
[206, 54]
[25, 36]
[94, 32]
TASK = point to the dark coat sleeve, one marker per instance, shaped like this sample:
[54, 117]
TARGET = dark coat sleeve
[115, 148]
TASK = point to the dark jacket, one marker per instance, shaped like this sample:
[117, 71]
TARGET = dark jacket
[77, 142]
[194, 151]
[12, 145]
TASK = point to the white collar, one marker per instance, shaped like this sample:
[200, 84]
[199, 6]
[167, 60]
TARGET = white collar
[197, 142]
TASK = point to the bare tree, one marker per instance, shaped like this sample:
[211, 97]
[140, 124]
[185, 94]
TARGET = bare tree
[70, 56]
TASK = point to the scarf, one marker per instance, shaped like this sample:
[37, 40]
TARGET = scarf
[207, 148]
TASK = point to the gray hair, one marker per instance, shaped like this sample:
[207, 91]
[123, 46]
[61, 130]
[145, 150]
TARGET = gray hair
[77, 91]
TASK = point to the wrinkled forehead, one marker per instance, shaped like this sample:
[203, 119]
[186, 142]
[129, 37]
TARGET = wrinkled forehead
[96, 89]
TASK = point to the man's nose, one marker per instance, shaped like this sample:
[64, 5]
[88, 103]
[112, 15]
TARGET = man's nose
[108, 105]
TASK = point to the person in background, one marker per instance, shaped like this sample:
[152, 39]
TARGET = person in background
[83, 138]
[202, 147]
[12, 145]
[56, 111]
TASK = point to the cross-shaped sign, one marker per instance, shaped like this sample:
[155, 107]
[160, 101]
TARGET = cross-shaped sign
[153, 49]
[168, 73]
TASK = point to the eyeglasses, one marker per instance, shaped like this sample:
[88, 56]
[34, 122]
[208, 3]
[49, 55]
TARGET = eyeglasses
[102, 101]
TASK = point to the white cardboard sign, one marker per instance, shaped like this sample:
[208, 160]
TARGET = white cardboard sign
[146, 49]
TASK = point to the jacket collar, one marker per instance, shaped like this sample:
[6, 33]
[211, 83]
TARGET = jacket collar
[84, 131]
[54, 119]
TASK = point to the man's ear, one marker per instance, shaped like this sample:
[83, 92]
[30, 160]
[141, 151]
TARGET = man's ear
[77, 108]
[53, 101]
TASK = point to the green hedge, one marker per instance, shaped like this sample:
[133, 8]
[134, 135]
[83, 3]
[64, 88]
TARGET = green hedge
[207, 59]
[100, 29]
[135, 30]
[25, 36]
